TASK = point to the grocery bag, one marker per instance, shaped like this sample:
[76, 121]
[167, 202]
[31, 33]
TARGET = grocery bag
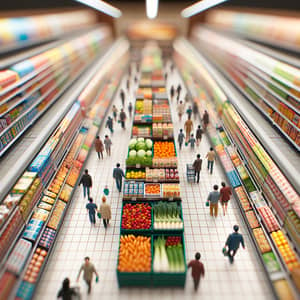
[207, 203]
[225, 252]
[98, 215]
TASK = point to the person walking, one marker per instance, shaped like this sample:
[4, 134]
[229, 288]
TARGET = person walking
[233, 243]
[128, 84]
[110, 124]
[189, 112]
[192, 142]
[225, 194]
[92, 209]
[115, 112]
[211, 156]
[188, 127]
[117, 175]
[172, 92]
[86, 181]
[197, 270]
[66, 292]
[197, 165]
[122, 118]
[105, 212]
[195, 110]
[180, 138]
[88, 270]
[130, 108]
[180, 110]
[107, 144]
[179, 88]
[99, 147]
[205, 119]
[122, 96]
[199, 133]
[213, 199]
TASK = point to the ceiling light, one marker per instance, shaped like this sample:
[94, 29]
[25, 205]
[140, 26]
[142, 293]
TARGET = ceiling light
[103, 7]
[151, 8]
[199, 7]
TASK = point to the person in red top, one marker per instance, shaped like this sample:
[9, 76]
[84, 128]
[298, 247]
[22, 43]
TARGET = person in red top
[225, 194]
[197, 270]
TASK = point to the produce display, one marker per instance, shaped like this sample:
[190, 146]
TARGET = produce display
[168, 255]
[33, 229]
[152, 190]
[142, 131]
[167, 216]
[136, 216]
[140, 152]
[162, 130]
[134, 254]
[171, 190]
[261, 240]
[271, 262]
[162, 174]
[164, 149]
[268, 218]
[132, 174]
[47, 238]
[243, 198]
[57, 214]
[133, 189]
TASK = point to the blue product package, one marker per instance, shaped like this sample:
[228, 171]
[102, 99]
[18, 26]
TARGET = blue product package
[25, 291]
[23, 68]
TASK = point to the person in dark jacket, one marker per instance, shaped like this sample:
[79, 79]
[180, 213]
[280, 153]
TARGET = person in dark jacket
[199, 133]
[225, 193]
[92, 209]
[122, 118]
[66, 293]
[205, 119]
[195, 109]
[233, 243]
[197, 167]
[172, 92]
[130, 108]
[180, 138]
[117, 175]
[86, 181]
[197, 270]
[122, 95]
[99, 147]
[189, 112]
[179, 88]
[110, 124]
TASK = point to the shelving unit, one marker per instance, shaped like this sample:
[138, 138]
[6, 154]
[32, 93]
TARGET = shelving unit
[147, 182]
[236, 161]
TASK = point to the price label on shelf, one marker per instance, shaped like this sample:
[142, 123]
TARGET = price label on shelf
[138, 166]
[165, 137]
[171, 199]
[133, 198]
[155, 180]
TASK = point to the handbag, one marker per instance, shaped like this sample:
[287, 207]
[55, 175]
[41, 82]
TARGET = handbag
[99, 215]
[207, 203]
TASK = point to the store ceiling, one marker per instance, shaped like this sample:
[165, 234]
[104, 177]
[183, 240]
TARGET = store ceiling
[31, 4]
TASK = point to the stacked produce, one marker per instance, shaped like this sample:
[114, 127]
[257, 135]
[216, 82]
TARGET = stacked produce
[140, 152]
[136, 216]
[171, 190]
[134, 254]
[132, 174]
[167, 216]
[168, 255]
[162, 130]
[152, 190]
[268, 218]
[164, 154]
[133, 189]
[141, 131]
[162, 174]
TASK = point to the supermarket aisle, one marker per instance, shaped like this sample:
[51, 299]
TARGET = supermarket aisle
[77, 239]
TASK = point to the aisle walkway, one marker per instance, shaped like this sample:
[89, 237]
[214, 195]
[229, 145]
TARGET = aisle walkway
[243, 280]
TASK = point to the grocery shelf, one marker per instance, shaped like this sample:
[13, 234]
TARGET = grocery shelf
[13, 167]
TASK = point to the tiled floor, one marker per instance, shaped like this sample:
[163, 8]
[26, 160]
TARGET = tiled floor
[242, 280]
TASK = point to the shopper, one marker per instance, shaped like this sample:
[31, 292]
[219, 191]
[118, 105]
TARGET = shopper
[172, 92]
[123, 118]
[92, 209]
[180, 138]
[233, 243]
[199, 133]
[88, 270]
[117, 175]
[205, 119]
[99, 147]
[66, 293]
[211, 156]
[107, 144]
[213, 199]
[115, 112]
[189, 112]
[130, 108]
[110, 124]
[195, 109]
[179, 88]
[86, 181]
[105, 212]
[122, 96]
[225, 194]
[188, 127]
[197, 165]
[197, 270]
[180, 110]
[192, 142]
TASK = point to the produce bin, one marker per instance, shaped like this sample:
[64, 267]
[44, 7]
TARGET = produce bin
[135, 279]
[136, 231]
[169, 279]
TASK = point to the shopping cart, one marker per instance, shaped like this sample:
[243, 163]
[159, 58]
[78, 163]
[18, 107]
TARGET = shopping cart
[190, 173]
